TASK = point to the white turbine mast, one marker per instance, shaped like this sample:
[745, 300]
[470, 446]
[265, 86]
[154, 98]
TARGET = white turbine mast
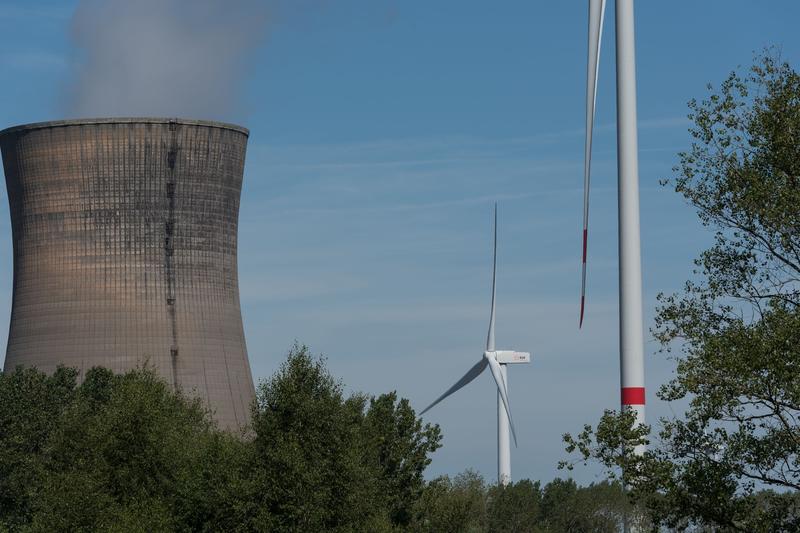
[497, 361]
[630, 262]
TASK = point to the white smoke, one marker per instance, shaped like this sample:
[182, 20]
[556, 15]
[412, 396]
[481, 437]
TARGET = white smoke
[183, 58]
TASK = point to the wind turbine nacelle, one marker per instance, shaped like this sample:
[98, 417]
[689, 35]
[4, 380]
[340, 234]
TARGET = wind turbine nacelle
[508, 357]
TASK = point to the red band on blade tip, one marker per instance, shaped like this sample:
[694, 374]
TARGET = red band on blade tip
[584, 245]
[632, 395]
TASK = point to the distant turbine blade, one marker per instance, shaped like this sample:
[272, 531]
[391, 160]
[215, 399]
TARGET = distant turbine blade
[597, 10]
[469, 376]
[490, 335]
[497, 373]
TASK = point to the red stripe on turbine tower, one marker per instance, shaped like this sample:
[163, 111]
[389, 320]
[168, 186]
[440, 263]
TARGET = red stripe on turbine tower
[632, 395]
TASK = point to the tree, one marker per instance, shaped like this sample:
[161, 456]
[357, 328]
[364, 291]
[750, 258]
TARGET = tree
[514, 508]
[117, 452]
[399, 448]
[452, 505]
[326, 462]
[128, 453]
[30, 405]
[734, 330]
[597, 508]
[308, 453]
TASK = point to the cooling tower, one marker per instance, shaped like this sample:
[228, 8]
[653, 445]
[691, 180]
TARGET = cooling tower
[124, 234]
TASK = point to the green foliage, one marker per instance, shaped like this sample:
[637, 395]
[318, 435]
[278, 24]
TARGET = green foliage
[612, 444]
[30, 405]
[309, 453]
[453, 506]
[598, 508]
[116, 453]
[467, 504]
[127, 453]
[514, 508]
[400, 447]
[328, 462]
[735, 327]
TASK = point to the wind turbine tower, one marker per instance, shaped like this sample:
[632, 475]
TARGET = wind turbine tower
[630, 262]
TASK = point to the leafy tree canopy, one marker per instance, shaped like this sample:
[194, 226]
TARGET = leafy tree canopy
[127, 453]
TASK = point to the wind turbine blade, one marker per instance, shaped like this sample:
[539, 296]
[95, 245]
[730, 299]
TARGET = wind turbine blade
[597, 10]
[490, 335]
[469, 376]
[497, 373]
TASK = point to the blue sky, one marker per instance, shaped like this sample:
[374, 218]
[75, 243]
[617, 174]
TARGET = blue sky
[382, 132]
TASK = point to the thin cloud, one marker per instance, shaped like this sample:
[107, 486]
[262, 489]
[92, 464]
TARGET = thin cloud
[11, 12]
[289, 286]
[33, 60]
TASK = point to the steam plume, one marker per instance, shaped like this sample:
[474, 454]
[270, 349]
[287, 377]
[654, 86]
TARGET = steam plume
[162, 57]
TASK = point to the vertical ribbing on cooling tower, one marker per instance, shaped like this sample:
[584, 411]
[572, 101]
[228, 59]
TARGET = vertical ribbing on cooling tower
[124, 236]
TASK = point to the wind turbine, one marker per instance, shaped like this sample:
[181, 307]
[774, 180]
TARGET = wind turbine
[630, 262]
[497, 361]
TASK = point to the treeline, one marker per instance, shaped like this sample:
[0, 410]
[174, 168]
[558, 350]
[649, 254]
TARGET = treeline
[126, 453]
[468, 504]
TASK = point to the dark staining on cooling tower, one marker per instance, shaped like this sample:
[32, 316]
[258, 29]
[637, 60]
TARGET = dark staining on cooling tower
[169, 249]
[124, 234]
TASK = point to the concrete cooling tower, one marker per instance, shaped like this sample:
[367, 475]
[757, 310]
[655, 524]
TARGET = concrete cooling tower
[124, 234]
